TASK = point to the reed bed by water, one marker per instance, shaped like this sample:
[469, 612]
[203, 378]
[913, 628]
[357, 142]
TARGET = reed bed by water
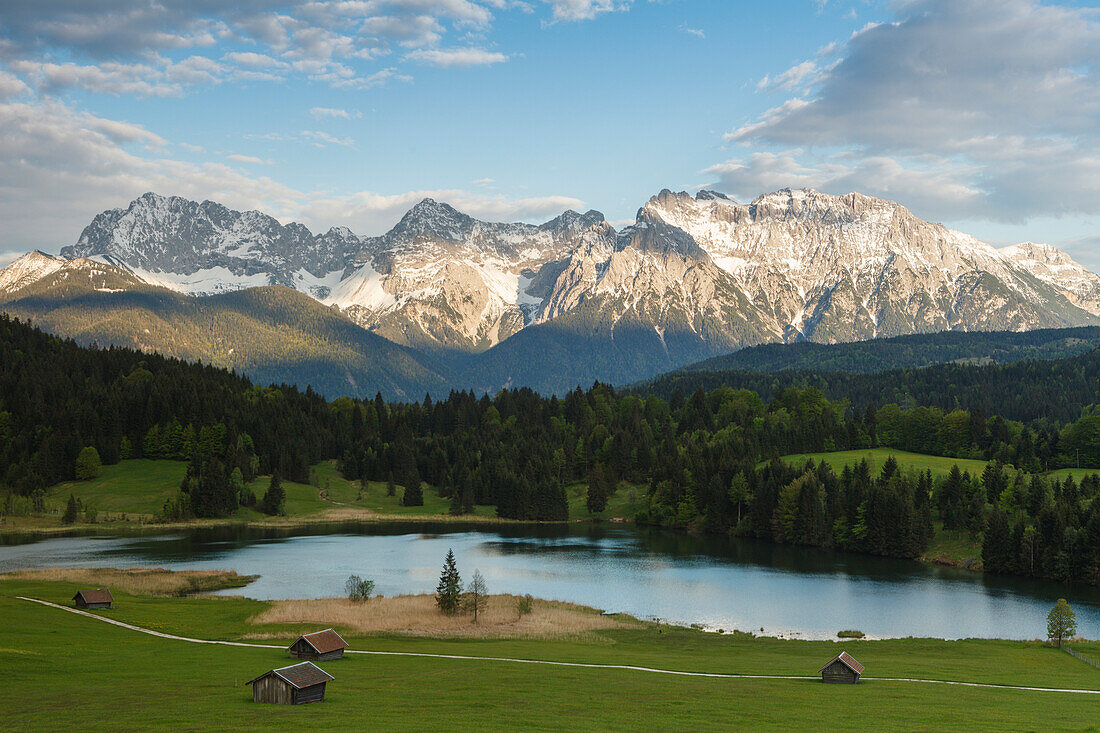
[140, 581]
[418, 615]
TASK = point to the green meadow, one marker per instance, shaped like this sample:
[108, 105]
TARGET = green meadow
[71, 672]
[876, 458]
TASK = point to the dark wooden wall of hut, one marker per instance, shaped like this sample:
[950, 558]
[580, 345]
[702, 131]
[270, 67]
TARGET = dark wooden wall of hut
[314, 693]
[272, 689]
[839, 673]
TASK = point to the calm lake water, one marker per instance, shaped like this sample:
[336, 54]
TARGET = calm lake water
[716, 582]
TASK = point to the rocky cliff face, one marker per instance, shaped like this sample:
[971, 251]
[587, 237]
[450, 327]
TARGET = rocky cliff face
[205, 248]
[1054, 267]
[842, 268]
[443, 280]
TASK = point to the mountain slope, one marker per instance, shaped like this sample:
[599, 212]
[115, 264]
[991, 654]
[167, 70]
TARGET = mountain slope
[271, 333]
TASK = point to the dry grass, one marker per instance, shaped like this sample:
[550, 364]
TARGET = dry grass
[418, 615]
[140, 581]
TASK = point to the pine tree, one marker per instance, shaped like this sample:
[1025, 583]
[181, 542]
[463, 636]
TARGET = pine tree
[274, 501]
[413, 494]
[996, 543]
[448, 593]
[71, 511]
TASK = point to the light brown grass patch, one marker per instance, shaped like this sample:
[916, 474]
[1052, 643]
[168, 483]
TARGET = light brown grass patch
[418, 615]
[140, 581]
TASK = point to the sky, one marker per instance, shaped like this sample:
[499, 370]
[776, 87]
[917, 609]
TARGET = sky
[981, 114]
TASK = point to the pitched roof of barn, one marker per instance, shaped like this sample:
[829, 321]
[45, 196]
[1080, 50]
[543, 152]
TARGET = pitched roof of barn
[847, 660]
[299, 676]
[325, 641]
[99, 595]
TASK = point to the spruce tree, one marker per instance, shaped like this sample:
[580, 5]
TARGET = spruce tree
[414, 494]
[448, 594]
[71, 511]
[274, 501]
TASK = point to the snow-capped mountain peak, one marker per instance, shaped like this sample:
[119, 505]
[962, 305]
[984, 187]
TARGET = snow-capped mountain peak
[699, 273]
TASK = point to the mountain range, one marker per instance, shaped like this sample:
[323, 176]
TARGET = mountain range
[444, 300]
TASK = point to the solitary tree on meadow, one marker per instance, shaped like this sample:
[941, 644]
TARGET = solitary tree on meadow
[1061, 623]
[448, 594]
[476, 596]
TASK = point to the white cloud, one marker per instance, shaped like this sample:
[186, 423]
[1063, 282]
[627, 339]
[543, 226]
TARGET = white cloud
[11, 86]
[449, 57]
[571, 10]
[334, 112]
[322, 139]
[164, 47]
[697, 32]
[250, 60]
[237, 157]
[971, 108]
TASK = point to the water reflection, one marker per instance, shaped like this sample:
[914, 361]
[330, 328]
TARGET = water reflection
[718, 582]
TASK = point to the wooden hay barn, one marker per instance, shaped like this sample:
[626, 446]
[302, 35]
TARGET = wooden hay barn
[294, 685]
[98, 598]
[843, 669]
[320, 646]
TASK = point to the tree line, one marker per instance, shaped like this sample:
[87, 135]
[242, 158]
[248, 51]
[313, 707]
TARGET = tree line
[705, 461]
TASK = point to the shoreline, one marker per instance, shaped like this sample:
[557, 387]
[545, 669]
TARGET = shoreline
[331, 516]
[15, 535]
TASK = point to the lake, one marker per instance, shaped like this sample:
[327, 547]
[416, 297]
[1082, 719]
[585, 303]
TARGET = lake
[715, 582]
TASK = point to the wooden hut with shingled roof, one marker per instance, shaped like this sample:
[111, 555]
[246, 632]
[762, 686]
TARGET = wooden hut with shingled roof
[842, 669]
[320, 646]
[297, 684]
[98, 598]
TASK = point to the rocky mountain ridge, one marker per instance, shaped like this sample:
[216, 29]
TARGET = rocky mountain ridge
[692, 277]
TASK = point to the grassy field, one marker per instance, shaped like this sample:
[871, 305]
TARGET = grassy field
[68, 672]
[954, 547]
[938, 465]
[138, 486]
[1077, 473]
[877, 457]
[135, 491]
[626, 502]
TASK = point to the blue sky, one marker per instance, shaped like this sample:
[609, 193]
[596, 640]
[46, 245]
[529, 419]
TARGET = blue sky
[983, 115]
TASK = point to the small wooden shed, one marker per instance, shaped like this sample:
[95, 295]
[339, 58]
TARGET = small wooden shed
[98, 598]
[320, 646]
[842, 669]
[294, 685]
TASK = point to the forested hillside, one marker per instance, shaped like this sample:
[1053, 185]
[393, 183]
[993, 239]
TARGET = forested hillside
[704, 462]
[909, 352]
[1053, 391]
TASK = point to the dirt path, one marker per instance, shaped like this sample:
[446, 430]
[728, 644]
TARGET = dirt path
[510, 660]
